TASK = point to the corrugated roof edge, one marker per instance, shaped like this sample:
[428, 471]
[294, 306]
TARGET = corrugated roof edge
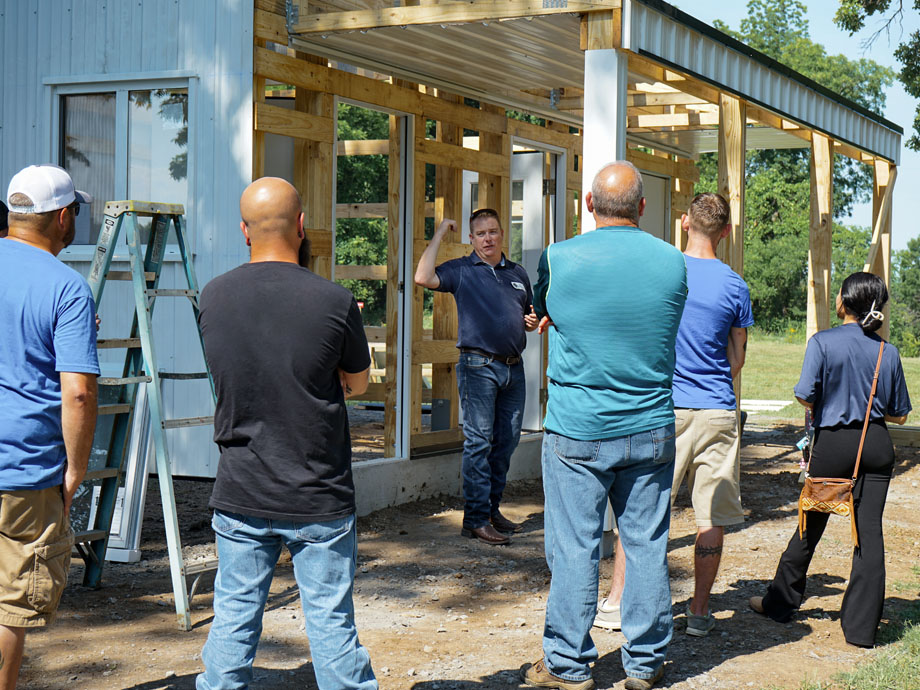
[766, 60]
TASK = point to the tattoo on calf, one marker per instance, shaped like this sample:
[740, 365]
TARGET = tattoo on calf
[704, 551]
[347, 389]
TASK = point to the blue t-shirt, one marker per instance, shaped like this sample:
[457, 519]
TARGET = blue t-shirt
[717, 301]
[49, 323]
[837, 377]
[615, 296]
[491, 303]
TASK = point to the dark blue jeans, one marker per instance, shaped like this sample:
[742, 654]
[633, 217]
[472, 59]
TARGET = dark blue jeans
[492, 395]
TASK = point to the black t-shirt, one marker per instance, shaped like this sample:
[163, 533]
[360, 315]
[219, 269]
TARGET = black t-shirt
[274, 335]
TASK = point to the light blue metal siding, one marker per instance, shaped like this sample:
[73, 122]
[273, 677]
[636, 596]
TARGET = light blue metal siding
[95, 40]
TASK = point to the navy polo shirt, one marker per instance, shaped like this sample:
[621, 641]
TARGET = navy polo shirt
[491, 302]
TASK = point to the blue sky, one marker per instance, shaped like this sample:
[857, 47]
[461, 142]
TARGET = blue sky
[899, 108]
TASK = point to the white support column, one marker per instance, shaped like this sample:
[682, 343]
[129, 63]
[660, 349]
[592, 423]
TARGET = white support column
[604, 118]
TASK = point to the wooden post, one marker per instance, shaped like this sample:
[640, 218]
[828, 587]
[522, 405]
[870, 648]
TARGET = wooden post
[314, 169]
[820, 233]
[418, 294]
[681, 195]
[880, 253]
[605, 99]
[448, 203]
[258, 138]
[732, 135]
[394, 230]
[732, 124]
[495, 190]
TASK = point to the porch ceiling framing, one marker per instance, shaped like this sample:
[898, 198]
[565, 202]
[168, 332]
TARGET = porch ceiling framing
[686, 82]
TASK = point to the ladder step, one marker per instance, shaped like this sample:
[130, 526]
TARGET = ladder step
[90, 535]
[114, 343]
[121, 408]
[104, 473]
[200, 567]
[183, 377]
[187, 421]
[109, 381]
[171, 292]
[127, 275]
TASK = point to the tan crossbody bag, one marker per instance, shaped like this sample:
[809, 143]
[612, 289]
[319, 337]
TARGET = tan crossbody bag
[833, 494]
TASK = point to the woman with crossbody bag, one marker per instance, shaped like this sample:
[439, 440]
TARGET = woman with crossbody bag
[836, 382]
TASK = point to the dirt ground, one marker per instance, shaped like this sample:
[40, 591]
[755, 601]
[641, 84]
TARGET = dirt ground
[439, 611]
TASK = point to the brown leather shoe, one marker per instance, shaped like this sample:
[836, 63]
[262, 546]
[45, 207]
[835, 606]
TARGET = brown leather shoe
[538, 676]
[756, 604]
[486, 533]
[503, 524]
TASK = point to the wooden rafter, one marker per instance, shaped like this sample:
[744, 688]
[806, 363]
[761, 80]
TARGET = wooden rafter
[444, 13]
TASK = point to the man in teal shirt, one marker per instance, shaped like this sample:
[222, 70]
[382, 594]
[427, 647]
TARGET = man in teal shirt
[614, 298]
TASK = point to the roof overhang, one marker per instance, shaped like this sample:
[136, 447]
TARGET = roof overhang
[526, 54]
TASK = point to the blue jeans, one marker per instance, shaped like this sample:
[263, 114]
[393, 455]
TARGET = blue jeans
[492, 395]
[324, 555]
[636, 472]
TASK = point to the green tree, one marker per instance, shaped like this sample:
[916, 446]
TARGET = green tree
[905, 299]
[777, 191]
[852, 15]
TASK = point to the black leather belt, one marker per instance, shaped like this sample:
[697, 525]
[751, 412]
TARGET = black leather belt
[514, 359]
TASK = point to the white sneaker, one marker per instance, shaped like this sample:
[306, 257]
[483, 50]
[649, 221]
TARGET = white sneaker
[608, 615]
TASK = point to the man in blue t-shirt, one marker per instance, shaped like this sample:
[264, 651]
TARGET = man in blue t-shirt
[494, 309]
[48, 370]
[711, 345]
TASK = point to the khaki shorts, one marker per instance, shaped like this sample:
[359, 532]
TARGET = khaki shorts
[707, 453]
[35, 544]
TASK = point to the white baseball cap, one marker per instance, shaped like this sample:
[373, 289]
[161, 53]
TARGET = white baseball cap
[48, 186]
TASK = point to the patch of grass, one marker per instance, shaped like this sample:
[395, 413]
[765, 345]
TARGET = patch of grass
[896, 667]
[907, 585]
[773, 365]
[771, 368]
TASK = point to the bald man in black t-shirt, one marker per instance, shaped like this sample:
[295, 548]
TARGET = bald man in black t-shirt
[285, 348]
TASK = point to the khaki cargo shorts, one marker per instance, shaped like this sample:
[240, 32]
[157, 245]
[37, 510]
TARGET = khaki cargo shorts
[35, 544]
[707, 445]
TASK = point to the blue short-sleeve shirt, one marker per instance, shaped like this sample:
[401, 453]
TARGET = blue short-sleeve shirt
[49, 323]
[717, 301]
[491, 302]
[837, 377]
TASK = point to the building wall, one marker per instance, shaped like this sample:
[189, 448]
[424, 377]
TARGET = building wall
[46, 42]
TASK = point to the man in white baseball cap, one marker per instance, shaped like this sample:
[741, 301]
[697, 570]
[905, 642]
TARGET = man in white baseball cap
[48, 370]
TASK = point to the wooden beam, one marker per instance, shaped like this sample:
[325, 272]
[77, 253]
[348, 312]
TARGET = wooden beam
[435, 352]
[467, 12]
[372, 210]
[461, 158]
[291, 123]
[644, 66]
[685, 169]
[351, 272]
[879, 261]
[448, 251]
[601, 30]
[818, 316]
[674, 120]
[732, 131]
[656, 99]
[363, 147]
[320, 242]
[268, 26]
[448, 190]
[436, 440]
[394, 232]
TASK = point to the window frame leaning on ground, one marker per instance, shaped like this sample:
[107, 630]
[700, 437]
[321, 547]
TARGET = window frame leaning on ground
[122, 85]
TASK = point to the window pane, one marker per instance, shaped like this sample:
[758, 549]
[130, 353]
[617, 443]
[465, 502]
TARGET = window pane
[158, 147]
[88, 154]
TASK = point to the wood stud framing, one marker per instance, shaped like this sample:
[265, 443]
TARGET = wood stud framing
[820, 235]
[669, 99]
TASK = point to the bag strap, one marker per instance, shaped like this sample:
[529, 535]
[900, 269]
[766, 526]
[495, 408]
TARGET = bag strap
[862, 438]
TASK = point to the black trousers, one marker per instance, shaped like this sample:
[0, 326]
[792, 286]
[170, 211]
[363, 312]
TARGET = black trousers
[835, 456]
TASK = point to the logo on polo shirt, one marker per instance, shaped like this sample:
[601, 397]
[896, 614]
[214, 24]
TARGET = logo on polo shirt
[518, 286]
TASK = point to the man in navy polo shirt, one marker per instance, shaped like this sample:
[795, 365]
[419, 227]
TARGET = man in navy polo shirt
[495, 308]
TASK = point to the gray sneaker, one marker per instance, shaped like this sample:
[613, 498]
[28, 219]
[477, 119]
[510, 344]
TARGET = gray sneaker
[699, 626]
[608, 616]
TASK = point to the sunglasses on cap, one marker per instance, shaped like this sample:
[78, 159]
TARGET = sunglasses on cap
[484, 213]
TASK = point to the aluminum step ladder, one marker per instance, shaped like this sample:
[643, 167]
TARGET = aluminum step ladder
[140, 366]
